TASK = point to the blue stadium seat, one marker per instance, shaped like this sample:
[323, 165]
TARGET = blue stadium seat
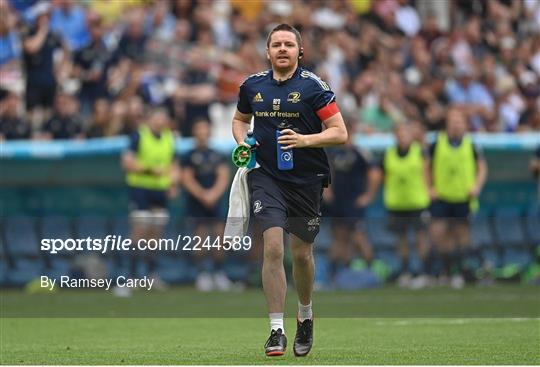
[21, 237]
[511, 238]
[92, 226]
[481, 232]
[517, 257]
[22, 245]
[4, 262]
[176, 270]
[120, 226]
[25, 270]
[508, 228]
[532, 225]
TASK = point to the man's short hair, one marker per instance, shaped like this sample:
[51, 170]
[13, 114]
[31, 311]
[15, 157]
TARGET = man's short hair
[288, 28]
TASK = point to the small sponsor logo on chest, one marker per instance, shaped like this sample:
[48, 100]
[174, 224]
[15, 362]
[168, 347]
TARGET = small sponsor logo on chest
[293, 97]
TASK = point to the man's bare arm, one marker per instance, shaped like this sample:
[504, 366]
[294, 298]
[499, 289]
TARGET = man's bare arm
[334, 134]
[240, 126]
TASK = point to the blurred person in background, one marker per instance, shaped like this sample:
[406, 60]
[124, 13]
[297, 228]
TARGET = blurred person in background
[100, 124]
[65, 122]
[354, 186]
[13, 125]
[69, 19]
[530, 118]
[197, 91]
[119, 120]
[133, 40]
[456, 171]
[135, 111]
[205, 176]
[471, 97]
[510, 104]
[10, 50]
[152, 175]
[90, 65]
[40, 44]
[406, 197]
[111, 11]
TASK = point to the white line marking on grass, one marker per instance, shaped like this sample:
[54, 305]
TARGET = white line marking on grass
[453, 321]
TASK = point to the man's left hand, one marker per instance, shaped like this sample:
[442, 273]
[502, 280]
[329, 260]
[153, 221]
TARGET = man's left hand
[172, 193]
[290, 139]
[363, 201]
[474, 192]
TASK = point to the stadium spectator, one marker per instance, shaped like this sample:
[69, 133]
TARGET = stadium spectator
[160, 23]
[152, 176]
[111, 11]
[407, 18]
[69, 19]
[530, 118]
[196, 94]
[132, 43]
[456, 172]
[39, 45]
[406, 197]
[471, 97]
[10, 51]
[134, 115]
[13, 124]
[65, 122]
[91, 64]
[119, 124]
[205, 177]
[354, 186]
[100, 125]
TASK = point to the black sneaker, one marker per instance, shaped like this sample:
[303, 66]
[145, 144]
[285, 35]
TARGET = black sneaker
[276, 343]
[304, 337]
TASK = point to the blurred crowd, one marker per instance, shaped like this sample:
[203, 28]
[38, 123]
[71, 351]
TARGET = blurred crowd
[75, 69]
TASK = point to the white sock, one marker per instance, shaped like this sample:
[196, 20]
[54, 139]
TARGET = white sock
[304, 312]
[276, 321]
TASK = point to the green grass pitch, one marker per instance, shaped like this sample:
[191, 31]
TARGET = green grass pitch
[465, 331]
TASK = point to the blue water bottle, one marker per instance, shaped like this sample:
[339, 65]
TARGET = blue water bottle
[284, 157]
[250, 139]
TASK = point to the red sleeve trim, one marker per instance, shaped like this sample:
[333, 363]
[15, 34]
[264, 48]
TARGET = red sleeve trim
[328, 111]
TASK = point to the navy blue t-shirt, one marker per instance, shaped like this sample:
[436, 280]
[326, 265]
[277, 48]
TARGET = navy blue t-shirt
[296, 101]
[350, 170]
[39, 66]
[205, 163]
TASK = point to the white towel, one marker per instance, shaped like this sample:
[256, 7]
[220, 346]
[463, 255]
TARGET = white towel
[238, 216]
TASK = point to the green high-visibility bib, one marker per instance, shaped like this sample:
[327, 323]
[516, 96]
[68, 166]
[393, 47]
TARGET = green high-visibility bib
[153, 152]
[454, 169]
[404, 184]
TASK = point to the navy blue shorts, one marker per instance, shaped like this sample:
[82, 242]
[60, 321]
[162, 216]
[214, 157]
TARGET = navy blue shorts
[444, 209]
[296, 209]
[144, 199]
[400, 221]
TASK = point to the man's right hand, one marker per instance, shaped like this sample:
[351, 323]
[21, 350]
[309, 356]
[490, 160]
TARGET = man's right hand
[157, 171]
